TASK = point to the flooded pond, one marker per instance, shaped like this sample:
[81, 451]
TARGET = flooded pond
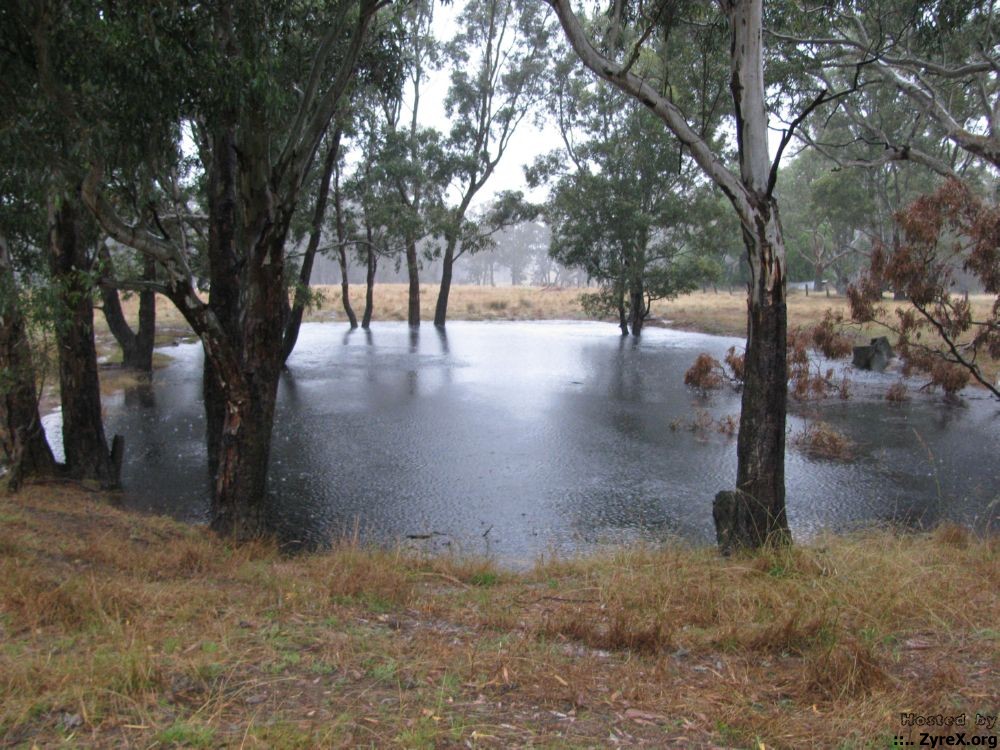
[518, 439]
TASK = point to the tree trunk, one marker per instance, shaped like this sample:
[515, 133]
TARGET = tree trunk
[137, 347]
[819, 274]
[250, 385]
[755, 515]
[637, 310]
[294, 317]
[372, 265]
[84, 442]
[22, 439]
[622, 313]
[447, 264]
[244, 452]
[145, 339]
[345, 290]
[224, 292]
[413, 271]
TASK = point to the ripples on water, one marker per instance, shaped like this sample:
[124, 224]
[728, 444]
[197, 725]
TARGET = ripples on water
[517, 439]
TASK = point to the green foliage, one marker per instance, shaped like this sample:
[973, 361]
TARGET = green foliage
[181, 734]
[627, 205]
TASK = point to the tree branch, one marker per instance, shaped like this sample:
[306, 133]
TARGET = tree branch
[666, 110]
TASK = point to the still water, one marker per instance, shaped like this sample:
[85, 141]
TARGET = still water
[519, 439]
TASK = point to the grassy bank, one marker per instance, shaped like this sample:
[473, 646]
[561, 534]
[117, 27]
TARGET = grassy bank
[120, 630]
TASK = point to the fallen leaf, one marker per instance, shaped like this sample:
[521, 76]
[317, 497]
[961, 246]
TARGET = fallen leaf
[644, 716]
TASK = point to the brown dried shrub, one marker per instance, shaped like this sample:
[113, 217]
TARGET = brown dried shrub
[728, 425]
[944, 232]
[897, 393]
[952, 535]
[33, 600]
[704, 373]
[805, 380]
[821, 440]
[826, 336]
[736, 363]
[951, 378]
[621, 629]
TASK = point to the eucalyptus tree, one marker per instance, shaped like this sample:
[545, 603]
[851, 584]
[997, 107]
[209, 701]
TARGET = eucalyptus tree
[408, 150]
[498, 58]
[294, 313]
[829, 225]
[24, 448]
[66, 68]
[341, 219]
[399, 187]
[269, 82]
[622, 199]
[23, 445]
[938, 59]
[136, 345]
[616, 50]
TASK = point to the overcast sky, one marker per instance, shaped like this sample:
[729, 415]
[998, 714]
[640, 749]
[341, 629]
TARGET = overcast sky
[527, 143]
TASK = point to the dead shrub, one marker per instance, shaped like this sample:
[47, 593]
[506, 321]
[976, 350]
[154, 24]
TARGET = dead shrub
[805, 380]
[952, 535]
[623, 629]
[737, 364]
[949, 377]
[728, 425]
[369, 575]
[897, 393]
[821, 440]
[783, 561]
[794, 634]
[828, 340]
[704, 374]
[703, 423]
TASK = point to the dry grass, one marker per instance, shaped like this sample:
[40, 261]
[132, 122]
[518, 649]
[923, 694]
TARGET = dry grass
[123, 630]
[721, 313]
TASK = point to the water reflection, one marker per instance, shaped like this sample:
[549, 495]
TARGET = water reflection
[140, 395]
[546, 435]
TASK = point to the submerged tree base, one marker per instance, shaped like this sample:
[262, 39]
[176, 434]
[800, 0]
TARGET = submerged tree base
[738, 524]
